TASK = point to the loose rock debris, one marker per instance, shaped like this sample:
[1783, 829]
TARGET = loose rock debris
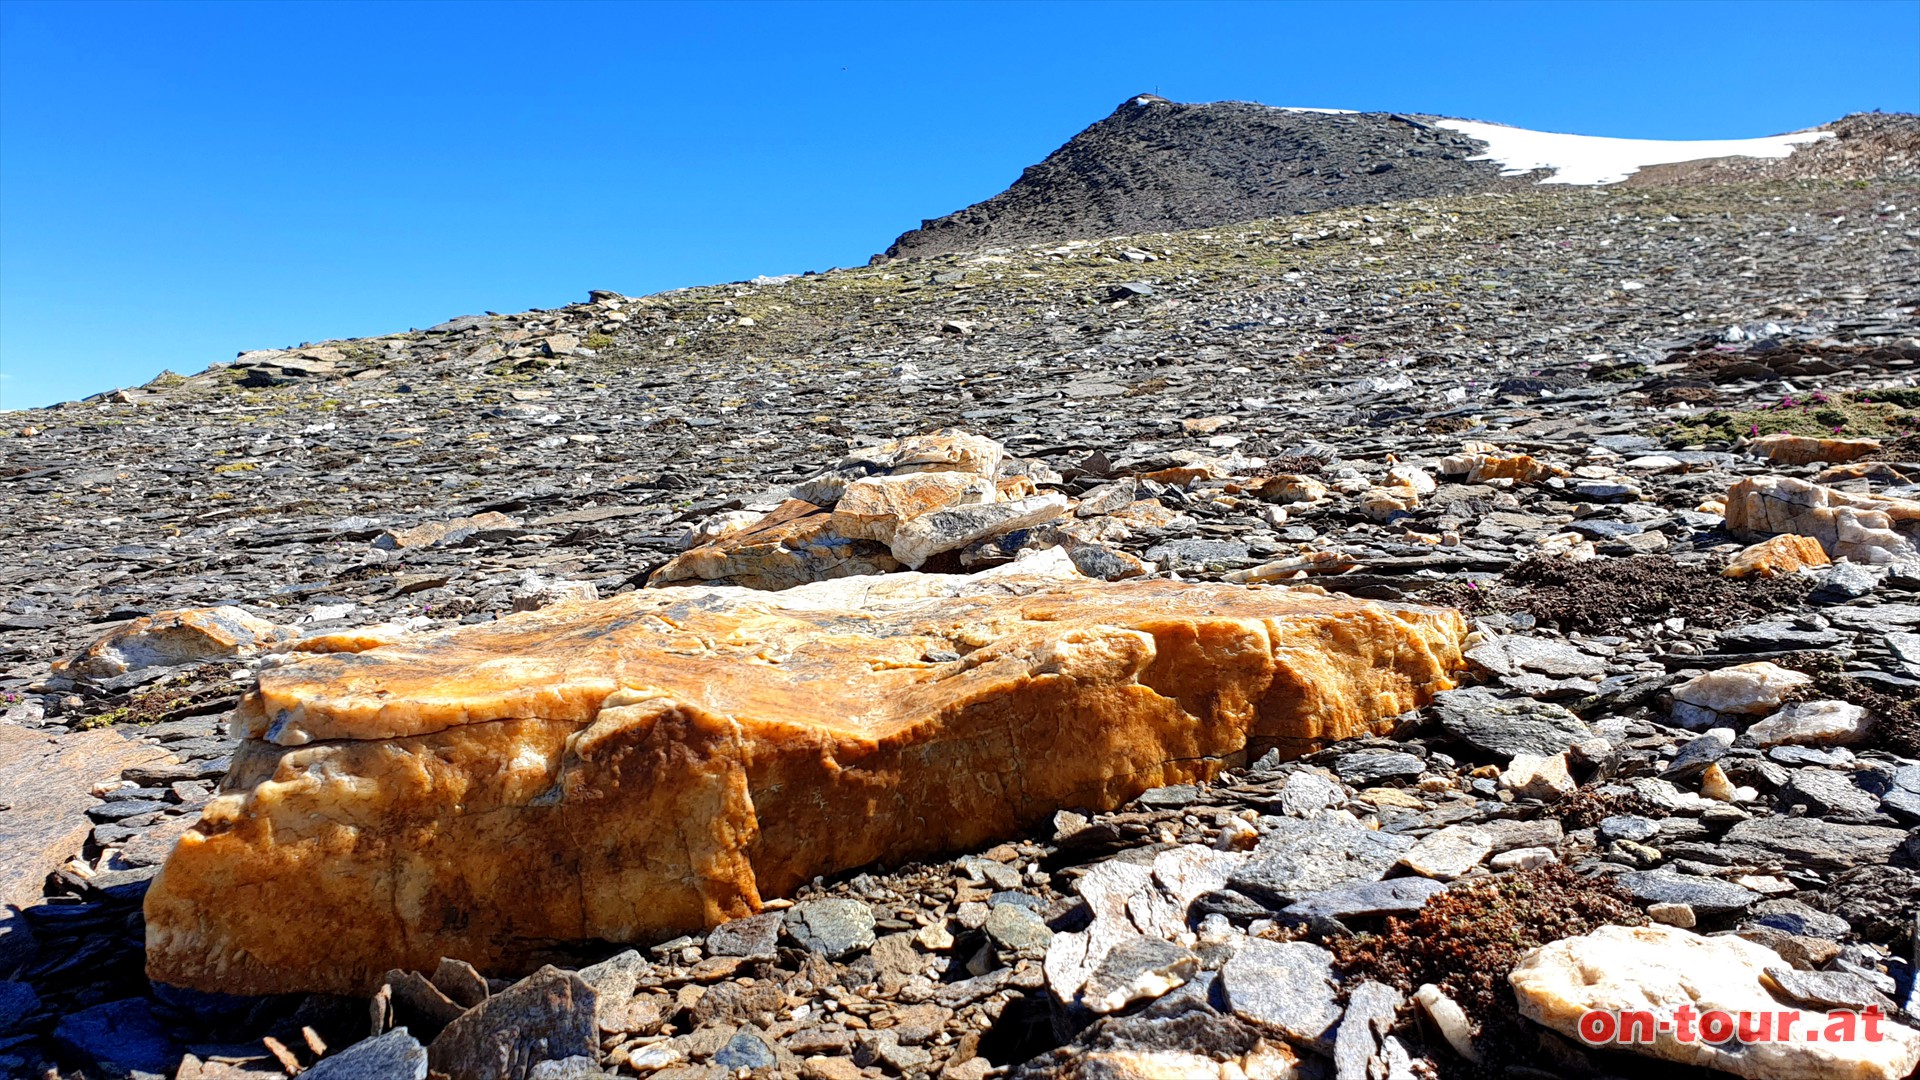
[1282, 403]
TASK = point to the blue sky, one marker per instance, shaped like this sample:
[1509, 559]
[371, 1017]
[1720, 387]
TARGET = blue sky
[182, 181]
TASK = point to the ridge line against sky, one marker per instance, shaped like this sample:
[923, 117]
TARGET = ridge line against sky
[179, 182]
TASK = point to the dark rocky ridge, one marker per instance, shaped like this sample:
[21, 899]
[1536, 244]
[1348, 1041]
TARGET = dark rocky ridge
[1155, 165]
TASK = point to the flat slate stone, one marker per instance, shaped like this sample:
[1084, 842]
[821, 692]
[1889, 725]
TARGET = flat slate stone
[1394, 896]
[45, 780]
[1286, 988]
[833, 928]
[120, 1033]
[1809, 843]
[755, 936]
[1508, 726]
[1297, 858]
[1705, 895]
[396, 1055]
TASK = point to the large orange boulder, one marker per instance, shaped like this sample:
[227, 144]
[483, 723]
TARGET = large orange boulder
[660, 761]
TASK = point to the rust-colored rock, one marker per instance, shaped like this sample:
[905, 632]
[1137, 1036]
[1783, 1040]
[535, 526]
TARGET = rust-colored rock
[1777, 555]
[1480, 462]
[884, 507]
[661, 761]
[1857, 527]
[172, 637]
[795, 544]
[1784, 449]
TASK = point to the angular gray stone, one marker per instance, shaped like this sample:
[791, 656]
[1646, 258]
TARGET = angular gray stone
[1298, 857]
[1629, 827]
[1308, 791]
[755, 936]
[1706, 896]
[1808, 843]
[614, 978]
[1794, 917]
[833, 928]
[1511, 655]
[1843, 581]
[1394, 896]
[544, 1017]
[120, 1035]
[1371, 1008]
[17, 1002]
[1698, 753]
[745, 1051]
[1016, 927]
[1368, 767]
[1448, 853]
[1827, 990]
[1137, 969]
[1776, 637]
[1507, 726]
[396, 1055]
[1285, 988]
[1827, 791]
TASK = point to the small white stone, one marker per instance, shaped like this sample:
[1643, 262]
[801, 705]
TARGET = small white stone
[1660, 969]
[1536, 776]
[1680, 915]
[1813, 723]
[1526, 858]
[1743, 689]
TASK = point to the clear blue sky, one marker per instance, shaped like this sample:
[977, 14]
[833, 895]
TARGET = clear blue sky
[182, 181]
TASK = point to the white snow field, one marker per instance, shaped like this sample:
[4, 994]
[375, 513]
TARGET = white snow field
[1595, 159]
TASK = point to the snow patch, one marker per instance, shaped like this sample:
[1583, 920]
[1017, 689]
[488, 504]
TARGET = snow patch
[1594, 159]
[1308, 108]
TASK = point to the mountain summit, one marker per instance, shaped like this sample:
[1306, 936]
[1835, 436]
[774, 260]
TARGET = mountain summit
[1156, 165]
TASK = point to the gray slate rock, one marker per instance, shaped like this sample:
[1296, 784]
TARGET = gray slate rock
[1368, 767]
[1827, 990]
[1794, 917]
[395, 1055]
[1827, 791]
[1809, 843]
[1136, 968]
[1706, 896]
[745, 1051]
[1301, 857]
[546, 1016]
[1507, 726]
[1776, 637]
[1394, 896]
[17, 1002]
[1371, 1008]
[1698, 753]
[1629, 827]
[756, 936]
[120, 1034]
[1286, 988]
[835, 929]
[1017, 927]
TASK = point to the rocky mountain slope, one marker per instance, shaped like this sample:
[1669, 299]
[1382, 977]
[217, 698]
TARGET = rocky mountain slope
[1545, 407]
[1154, 165]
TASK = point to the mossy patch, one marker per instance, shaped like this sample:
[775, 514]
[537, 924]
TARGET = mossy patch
[1855, 415]
[1467, 940]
